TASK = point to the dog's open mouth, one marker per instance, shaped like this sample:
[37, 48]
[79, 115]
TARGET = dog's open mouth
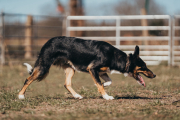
[140, 80]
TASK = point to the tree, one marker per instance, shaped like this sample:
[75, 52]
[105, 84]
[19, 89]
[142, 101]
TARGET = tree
[133, 7]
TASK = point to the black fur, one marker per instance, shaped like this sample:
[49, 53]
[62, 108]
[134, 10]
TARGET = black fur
[25, 82]
[81, 53]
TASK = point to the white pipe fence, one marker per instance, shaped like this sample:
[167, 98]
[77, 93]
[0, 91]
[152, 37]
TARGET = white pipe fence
[153, 56]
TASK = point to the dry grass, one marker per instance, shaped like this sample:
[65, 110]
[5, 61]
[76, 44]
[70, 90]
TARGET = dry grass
[50, 100]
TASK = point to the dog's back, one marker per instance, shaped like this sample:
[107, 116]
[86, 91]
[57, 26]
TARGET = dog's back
[73, 51]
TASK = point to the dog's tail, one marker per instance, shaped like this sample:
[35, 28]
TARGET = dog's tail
[29, 68]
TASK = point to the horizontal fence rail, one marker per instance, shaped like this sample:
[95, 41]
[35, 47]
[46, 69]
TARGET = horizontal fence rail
[119, 17]
[110, 28]
[152, 54]
[128, 38]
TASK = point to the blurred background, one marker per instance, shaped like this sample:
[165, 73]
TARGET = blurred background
[25, 25]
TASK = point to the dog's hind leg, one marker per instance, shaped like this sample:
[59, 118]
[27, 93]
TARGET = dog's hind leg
[69, 74]
[106, 78]
[37, 74]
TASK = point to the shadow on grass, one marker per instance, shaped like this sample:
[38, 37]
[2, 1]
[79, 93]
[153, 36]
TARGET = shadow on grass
[136, 97]
[118, 97]
[115, 97]
[96, 97]
[176, 103]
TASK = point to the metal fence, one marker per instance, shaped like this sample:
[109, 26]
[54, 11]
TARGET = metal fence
[22, 36]
[153, 54]
[16, 32]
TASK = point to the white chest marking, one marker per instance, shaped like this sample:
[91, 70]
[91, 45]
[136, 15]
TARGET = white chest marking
[126, 74]
[115, 72]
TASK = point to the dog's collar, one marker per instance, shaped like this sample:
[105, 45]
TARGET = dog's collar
[127, 65]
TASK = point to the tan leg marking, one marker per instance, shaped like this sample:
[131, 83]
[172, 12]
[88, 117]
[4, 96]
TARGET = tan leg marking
[104, 68]
[100, 87]
[30, 79]
[89, 66]
[23, 90]
[69, 74]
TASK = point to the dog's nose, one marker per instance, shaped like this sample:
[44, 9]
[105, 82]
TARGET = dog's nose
[154, 75]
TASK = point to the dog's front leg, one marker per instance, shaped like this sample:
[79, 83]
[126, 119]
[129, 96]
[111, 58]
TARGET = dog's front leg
[106, 78]
[100, 86]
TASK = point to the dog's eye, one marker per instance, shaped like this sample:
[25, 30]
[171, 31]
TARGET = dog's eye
[144, 67]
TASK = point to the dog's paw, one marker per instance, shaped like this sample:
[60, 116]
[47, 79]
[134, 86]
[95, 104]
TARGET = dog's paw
[107, 83]
[21, 97]
[77, 96]
[107, 97]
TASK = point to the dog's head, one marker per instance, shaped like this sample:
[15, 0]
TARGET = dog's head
[137, 66]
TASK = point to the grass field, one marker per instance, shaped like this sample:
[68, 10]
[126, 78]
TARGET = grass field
[159, 100]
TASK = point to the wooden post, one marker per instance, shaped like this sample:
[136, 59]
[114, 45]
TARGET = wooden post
[62, 11]
[2, 55]
[73, 10]
[2, 47]
[144, 23]
[76, 8]
[28, 39]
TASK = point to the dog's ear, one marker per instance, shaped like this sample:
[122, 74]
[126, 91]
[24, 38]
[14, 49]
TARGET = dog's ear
[136, 52]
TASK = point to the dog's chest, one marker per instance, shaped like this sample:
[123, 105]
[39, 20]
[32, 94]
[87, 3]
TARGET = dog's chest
[102, 70]
[107, 70]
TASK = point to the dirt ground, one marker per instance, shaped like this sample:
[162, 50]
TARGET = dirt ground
[48, 99]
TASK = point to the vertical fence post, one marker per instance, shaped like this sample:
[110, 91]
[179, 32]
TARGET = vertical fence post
[144, 22]
[173, 36]
[2, 48]
[28, 39]
[118, 32]
[169, 42]
[2, 39]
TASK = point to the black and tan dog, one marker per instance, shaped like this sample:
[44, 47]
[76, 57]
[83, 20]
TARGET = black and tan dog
[94, 57]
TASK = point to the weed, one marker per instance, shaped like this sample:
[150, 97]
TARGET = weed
[156, 103]
[49, 113]
[48, 99]
[29, 112]
[88, 93]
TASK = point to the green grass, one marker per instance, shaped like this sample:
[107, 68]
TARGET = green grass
[48, 99]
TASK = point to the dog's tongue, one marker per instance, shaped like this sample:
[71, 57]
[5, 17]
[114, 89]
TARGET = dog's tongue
[141, 81]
